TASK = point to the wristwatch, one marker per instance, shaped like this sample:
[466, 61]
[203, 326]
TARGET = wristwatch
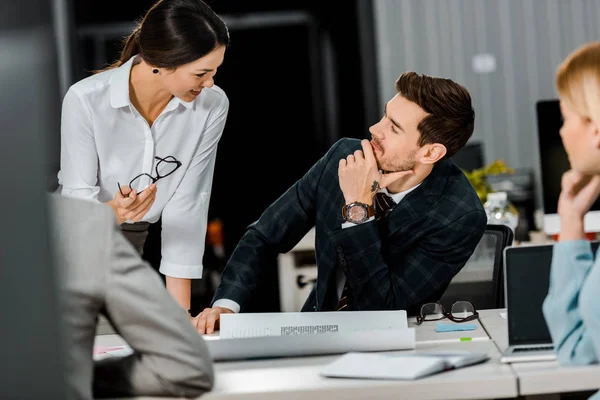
[357, 212]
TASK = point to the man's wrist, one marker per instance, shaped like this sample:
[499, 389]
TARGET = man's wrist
[368, 200]
[228, 304]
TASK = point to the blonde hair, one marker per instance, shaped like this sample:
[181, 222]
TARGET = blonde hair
[578, 81]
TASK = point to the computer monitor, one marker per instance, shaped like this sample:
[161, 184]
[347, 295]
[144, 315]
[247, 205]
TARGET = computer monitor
[554, 162]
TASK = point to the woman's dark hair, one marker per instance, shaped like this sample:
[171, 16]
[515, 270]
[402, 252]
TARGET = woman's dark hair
[174, 33]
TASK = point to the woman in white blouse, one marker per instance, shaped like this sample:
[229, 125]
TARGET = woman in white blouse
[156, 115]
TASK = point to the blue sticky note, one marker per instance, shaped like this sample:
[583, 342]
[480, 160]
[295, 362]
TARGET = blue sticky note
[441, 327]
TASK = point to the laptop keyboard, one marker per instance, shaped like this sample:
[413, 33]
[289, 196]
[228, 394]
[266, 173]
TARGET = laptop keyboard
[529, 349]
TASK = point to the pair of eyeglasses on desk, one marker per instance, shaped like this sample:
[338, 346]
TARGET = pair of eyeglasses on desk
[461, 311]
[165, 167]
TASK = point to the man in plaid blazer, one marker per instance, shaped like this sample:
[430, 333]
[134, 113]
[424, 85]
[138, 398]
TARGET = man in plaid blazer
[395, 260]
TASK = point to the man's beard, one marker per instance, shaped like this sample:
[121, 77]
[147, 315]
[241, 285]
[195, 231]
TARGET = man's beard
[406, 164]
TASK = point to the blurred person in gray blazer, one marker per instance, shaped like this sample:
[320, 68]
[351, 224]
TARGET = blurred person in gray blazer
[100, 273]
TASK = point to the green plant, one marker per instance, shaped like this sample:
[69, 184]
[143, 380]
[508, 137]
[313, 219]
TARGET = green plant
[477, 177]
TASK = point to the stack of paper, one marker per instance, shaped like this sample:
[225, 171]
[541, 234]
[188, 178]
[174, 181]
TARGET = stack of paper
[266, 335]
[309, 323]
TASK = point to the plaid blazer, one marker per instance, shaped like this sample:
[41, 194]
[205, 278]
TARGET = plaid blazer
[397, 263]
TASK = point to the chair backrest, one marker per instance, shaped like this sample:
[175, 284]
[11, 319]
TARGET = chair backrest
[480, 281]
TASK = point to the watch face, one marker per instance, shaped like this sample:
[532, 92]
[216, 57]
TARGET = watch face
[357, 213]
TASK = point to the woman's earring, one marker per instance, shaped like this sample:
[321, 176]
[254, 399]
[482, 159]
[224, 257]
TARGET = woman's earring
[155, 70]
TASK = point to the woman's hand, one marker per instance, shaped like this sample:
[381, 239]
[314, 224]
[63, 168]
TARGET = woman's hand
[133, 207]
[577, 195]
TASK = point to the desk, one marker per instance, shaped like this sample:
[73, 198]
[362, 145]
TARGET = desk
[495, 326]
[296, 378]
[425, 333]
[545, 377]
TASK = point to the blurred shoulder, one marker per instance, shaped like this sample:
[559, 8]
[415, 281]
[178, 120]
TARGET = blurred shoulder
[72, 214]
[214, 97]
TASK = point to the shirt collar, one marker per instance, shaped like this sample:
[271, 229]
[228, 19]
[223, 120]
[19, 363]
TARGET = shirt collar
[119, 88]
[400, 195]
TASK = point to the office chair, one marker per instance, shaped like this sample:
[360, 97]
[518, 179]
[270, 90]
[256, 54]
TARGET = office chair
[480, 281]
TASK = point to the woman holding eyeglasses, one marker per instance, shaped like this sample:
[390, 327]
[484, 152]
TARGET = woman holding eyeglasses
[142, 135]
[571, 308]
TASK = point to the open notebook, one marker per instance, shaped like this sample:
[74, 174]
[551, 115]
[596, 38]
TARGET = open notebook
[398, 366]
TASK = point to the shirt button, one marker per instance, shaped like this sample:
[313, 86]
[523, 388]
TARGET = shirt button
[339, 249]
[342, 261]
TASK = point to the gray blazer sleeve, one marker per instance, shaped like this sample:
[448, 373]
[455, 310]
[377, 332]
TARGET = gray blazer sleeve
[170, 357]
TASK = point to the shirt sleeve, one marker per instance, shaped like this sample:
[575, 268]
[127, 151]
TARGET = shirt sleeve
[78, 155]
[351, 224]
[226, 303]
[185, 217]
[571, 263]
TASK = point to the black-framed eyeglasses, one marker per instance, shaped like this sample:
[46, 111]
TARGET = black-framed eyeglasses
[165, 167]
[461, 311]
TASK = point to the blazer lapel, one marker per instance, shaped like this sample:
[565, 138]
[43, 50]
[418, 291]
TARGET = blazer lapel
[419, 201]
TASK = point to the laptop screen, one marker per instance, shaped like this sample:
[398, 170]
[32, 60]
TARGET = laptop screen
[527, 281]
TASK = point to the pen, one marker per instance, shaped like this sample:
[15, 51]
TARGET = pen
[475, 339]
[462, 339]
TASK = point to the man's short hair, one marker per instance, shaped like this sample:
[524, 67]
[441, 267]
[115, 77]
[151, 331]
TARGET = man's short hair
[451, 118]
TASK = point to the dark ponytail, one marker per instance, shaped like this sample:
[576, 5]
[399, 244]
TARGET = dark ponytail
[131, 47]
[174, 33]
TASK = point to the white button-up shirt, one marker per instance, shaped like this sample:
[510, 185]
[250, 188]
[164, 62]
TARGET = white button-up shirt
[105, 140]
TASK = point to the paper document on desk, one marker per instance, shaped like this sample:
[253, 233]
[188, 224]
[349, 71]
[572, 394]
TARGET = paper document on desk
[398, 367]
[101, 352]
[310, 345]
[309, 323]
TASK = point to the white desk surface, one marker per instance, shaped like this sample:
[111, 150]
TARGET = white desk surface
[295, 378]
[495, 326]
[425, 333]
[541, 377]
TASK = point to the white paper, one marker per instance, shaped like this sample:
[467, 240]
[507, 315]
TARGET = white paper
[309, 323]
[377, 366]
[456, 358]
[112, 351]
[399, 366]
[308, 345]
[503, 315]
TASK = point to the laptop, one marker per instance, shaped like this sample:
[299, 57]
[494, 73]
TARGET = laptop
[526, 282]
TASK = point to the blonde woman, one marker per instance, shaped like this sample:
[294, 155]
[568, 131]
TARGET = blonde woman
[571, 308]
